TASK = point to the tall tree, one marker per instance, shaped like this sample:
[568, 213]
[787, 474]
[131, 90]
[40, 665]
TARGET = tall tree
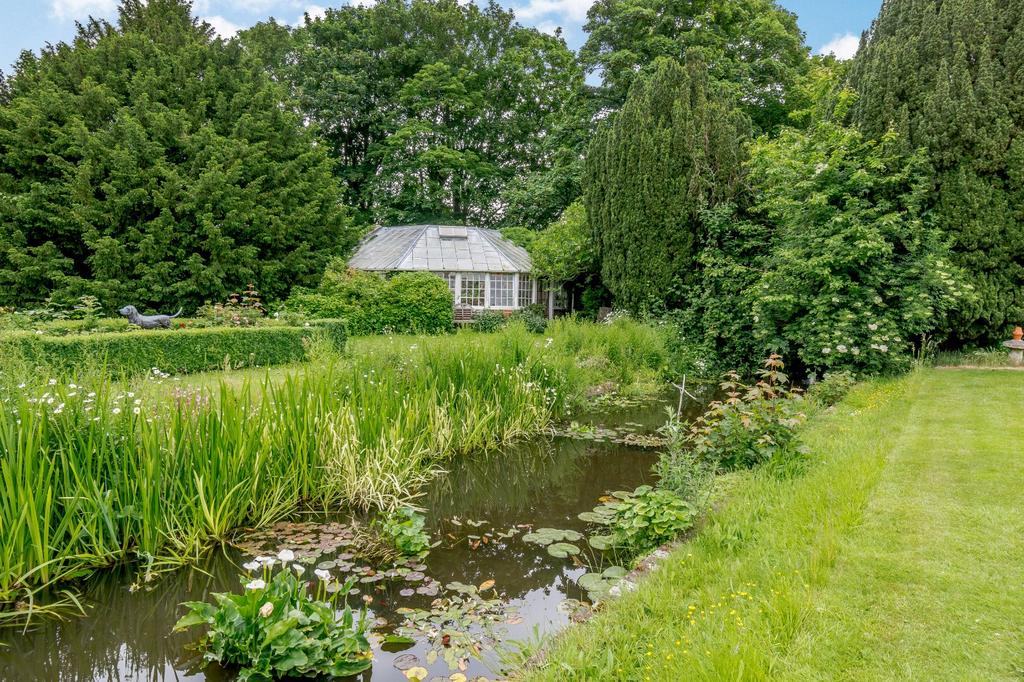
[432, 108]
[150, 163]
[674, 149]
[949, 76]
[753, 47]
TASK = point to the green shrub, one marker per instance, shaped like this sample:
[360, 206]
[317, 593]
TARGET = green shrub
[532, 317]
[408, 303]
[832, 388]
[175, 350]
[488, 321]
[754, 425]
[276, 629]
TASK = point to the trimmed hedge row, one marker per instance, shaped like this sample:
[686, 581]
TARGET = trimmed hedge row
[172, 350]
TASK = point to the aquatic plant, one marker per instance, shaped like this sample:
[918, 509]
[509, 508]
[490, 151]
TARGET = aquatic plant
[404, 527]
[640, 521]
[277, 628]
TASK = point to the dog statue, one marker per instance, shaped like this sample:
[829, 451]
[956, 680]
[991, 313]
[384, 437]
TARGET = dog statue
[147, 321]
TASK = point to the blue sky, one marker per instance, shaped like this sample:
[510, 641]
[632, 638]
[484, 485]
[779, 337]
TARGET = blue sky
[830, 25]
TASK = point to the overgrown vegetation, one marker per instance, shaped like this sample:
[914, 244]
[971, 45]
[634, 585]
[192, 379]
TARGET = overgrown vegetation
[95, 472]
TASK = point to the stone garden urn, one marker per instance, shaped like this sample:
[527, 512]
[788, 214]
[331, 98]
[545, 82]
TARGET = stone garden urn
[1016, 346]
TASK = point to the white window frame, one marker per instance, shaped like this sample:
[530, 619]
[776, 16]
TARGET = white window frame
[473, 277]
[501, 293]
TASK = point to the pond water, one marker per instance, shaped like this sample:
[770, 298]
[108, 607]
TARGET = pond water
[545, 482]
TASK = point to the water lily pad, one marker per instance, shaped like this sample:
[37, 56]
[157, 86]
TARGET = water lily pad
[614, 572]
[546, 536]
[407, 662]
[538, 538]
[601, 542]
[589, 581]
[594, 517]
[414, 576]
[461, 587]
[562, 550]
[407, 592]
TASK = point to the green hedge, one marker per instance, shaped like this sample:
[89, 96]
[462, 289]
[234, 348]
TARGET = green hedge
[408, 303]
[170, 350]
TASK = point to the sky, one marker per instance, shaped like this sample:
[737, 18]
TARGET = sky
[830, 25]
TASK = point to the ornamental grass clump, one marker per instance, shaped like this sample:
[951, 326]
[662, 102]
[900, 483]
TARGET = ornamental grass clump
[277, 628]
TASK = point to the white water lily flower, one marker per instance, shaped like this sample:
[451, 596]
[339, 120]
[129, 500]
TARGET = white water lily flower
[299, 569]
[255, 584]
[266, 610]
[323, 574]
[251, 566]
[286, 555]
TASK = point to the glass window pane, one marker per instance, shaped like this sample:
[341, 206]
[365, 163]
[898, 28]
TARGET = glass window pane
[501, 291]
[525, 291]
[472, 289]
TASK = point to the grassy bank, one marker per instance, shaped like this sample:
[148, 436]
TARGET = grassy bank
[94, 472]
[899, 555]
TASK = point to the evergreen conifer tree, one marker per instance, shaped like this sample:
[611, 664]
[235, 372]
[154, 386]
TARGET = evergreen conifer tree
[674, 149]
[949, 76]
[150, 163]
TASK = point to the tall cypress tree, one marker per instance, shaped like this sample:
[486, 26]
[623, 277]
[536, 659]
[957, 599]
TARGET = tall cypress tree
[674, 149]
[949, 76]
[153, 164]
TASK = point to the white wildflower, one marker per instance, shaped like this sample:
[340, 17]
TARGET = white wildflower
[299, 569]
[266, 610]
[286, 555]
[116, 410]
[323, 574]
[251, 565]
[255, 584]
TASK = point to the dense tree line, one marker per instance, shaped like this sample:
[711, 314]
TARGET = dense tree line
[717, 174]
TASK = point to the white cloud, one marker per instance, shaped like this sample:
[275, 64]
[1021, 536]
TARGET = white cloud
[225, 28]
[80, 9]
[843, 47]
[254, 6]
[549, 27]
[572, 10]
[314, 12]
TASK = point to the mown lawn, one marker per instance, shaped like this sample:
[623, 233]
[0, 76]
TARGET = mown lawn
[898, 555]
